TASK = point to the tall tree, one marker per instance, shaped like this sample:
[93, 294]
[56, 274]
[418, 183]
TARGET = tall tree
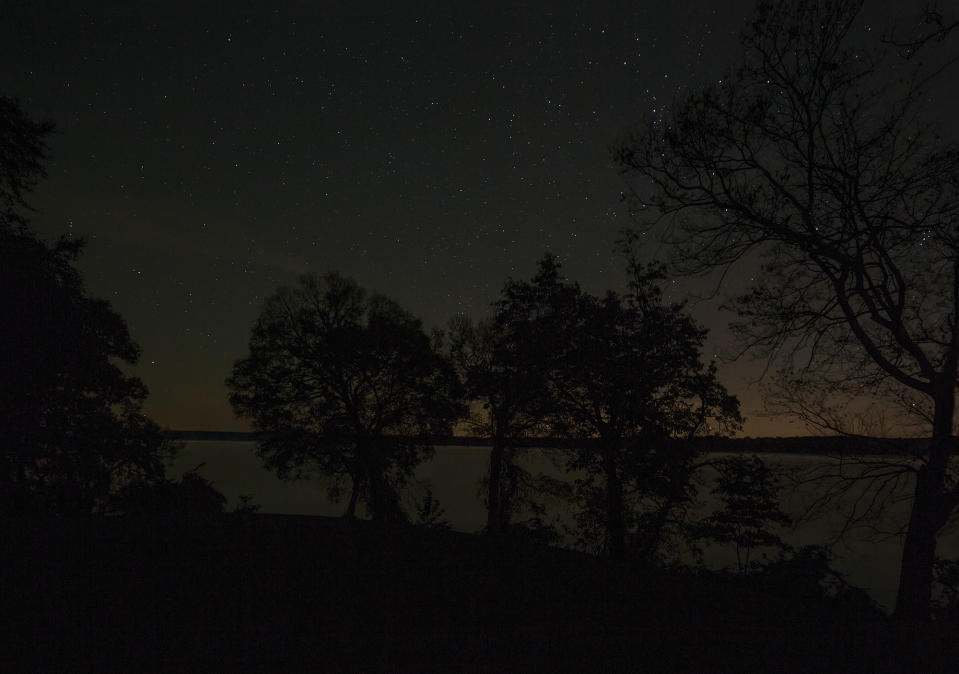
[346, 384]
[810, 159]
[505, 379]
[71, 427]
[625, 376]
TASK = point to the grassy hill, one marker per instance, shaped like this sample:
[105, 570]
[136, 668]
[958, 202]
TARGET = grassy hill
[269, 592]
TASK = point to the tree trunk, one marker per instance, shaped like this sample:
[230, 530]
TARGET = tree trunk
[615, 515]
[495, 519]
[930, 511]
[381, 497]
[918, 553]
[650, 545]
[384, 500]
[354, 497]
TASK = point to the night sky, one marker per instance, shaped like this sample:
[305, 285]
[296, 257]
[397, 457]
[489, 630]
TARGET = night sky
[209, 157]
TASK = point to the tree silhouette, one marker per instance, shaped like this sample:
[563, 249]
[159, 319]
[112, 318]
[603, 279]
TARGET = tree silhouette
[625, 376]
[192, 493]
[749, 492]
[347, 385]
[813, 160]
[71, 429]
[504, 373]
[429, 512]
[23, 151]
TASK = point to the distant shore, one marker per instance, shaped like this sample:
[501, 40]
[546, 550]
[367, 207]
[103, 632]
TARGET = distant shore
[808, 445]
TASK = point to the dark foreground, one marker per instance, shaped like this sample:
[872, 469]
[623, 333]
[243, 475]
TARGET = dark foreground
[261, 592]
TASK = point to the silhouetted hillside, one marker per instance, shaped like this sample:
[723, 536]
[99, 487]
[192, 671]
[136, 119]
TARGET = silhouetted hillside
[278, 593]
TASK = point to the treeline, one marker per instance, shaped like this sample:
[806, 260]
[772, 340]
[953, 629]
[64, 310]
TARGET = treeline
[825, 445]
[347, 385]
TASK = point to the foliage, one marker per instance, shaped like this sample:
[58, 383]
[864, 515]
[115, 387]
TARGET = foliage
[430, 514]
[812, 162]
[624, 376]
[946, 594]
[503, 374]
[803, 575]
[245, 505]
[500, 373]
[23, 150]
[748, 490]
[71, 427]
[535, 530]
[192, 493]
[346, 385]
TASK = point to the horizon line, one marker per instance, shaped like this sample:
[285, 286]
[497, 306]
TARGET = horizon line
[806, 444]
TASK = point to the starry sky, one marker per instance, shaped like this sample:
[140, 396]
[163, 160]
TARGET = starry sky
[209, 156]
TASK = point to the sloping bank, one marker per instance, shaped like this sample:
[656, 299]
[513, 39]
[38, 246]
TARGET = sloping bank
[255, 592]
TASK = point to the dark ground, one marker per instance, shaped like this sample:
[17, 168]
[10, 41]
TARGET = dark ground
[280, 593]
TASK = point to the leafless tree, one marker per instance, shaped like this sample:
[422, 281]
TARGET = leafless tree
[812, 163]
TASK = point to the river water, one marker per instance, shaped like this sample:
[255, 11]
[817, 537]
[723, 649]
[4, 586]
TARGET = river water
[868, 561]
